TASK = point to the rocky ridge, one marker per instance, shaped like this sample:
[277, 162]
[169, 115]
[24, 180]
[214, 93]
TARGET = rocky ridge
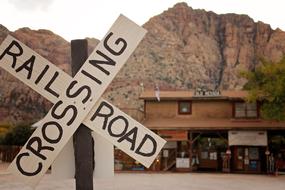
[183, 49]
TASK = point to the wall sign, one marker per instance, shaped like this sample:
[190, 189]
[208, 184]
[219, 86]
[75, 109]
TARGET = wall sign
[173, 135]
[201, 92]
[182, 163]
[248, 138]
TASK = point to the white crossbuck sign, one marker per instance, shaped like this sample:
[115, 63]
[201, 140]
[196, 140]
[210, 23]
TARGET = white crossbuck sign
[78, 100]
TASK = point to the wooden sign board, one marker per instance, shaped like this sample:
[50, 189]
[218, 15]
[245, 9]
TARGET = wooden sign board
[71, 107]
[173, 135]
[248, 138]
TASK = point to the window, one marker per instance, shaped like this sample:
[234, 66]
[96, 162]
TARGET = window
[253, 153]
[184, 107]
[245, 110]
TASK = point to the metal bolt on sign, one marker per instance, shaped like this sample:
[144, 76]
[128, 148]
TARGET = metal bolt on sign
[78, 100]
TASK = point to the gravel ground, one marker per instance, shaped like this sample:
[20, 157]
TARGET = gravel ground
[159, 181]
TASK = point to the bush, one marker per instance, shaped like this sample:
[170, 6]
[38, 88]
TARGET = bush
[17, 135]
[1, 139]
[4, 128]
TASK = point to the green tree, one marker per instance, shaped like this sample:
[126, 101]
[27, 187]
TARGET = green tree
[267, 84]
[18, 135]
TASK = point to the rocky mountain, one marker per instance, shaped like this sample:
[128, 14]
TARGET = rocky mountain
[186, 48]
[19, 103]
[183, 49]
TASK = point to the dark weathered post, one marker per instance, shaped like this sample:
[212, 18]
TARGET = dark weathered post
[82, 139]
[190, 150]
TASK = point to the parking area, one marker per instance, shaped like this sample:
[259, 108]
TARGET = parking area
[160, 181]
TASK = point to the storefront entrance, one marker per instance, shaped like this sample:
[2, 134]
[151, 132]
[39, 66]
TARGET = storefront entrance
[175, 154]
[223, 151]
[248, 159]
[208, 150]
[248, 150]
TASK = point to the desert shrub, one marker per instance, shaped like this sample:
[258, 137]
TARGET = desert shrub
[18, 135]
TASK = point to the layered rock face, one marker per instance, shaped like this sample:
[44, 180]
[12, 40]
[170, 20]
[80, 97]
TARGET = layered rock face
[183, 49]
[187, 48]
[19, 103]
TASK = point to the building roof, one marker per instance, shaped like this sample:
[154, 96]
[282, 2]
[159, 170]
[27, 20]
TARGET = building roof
[211, 124]
[188, 95]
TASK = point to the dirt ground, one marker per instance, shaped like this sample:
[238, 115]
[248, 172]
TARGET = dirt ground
[158, 181]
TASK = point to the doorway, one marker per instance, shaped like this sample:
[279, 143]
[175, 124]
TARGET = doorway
[248, 159]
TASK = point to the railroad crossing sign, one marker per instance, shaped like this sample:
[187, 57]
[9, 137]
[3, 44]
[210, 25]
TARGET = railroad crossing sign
[78, 100]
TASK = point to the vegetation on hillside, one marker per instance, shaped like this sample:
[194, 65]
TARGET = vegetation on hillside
[15, 135]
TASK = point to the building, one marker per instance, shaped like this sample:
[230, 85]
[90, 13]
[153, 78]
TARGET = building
[212, 131]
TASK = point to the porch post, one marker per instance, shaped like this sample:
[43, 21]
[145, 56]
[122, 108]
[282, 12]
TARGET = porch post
[190, 149]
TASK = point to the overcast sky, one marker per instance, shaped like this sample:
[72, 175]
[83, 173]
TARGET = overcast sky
[73, 19]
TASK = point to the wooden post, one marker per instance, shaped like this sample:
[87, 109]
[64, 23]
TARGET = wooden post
[82, 138]
[190, 149]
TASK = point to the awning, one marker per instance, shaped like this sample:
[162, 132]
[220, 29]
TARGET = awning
[178, 123]
[248, 138]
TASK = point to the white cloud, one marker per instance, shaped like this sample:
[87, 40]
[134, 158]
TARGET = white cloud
[74, 19]
[27, 5]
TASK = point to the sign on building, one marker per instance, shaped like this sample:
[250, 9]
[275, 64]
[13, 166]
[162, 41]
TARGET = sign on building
[248, 138]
